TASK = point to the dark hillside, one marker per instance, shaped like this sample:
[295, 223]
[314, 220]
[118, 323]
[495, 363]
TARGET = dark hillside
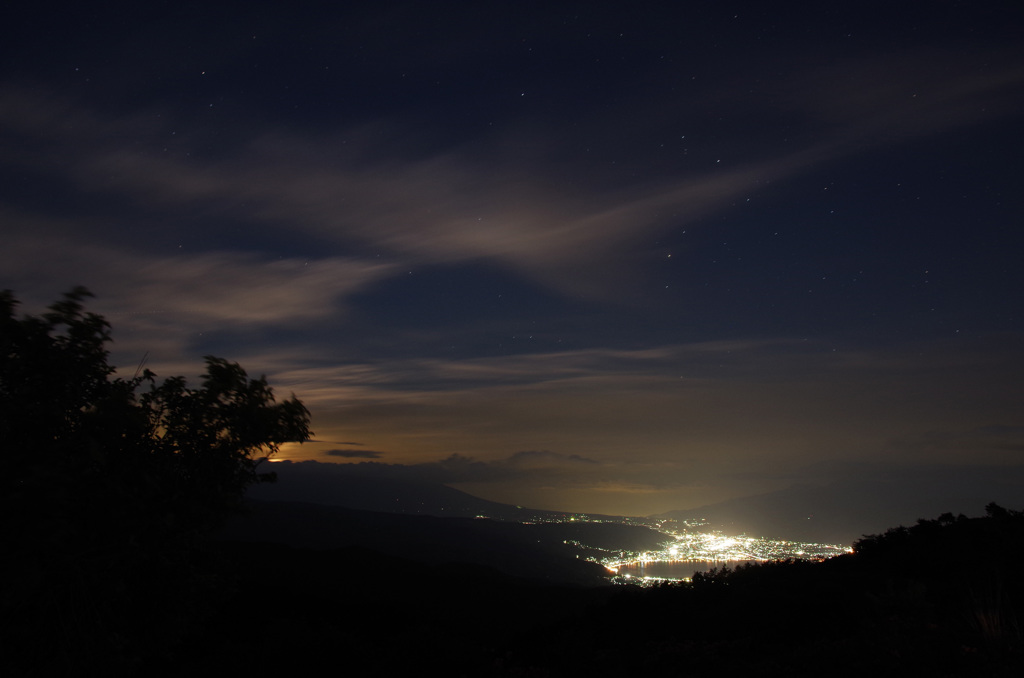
[374, 487]
[532, 551]
[385, 488]
[943, 597]
[298, 611]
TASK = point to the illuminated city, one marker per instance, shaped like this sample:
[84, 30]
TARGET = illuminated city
[694, 542]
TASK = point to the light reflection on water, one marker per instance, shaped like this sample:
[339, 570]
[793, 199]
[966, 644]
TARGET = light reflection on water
[676, 569]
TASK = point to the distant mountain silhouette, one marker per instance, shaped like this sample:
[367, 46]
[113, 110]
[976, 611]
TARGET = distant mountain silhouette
[388, 488]
[372, 487]
[839, 513]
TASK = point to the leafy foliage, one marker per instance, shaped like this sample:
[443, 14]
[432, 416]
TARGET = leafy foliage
[64, 418]
[108, 481]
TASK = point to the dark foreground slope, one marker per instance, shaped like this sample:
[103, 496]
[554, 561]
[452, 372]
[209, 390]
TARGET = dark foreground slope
[536, 551]
[312, 612]
[944, 597]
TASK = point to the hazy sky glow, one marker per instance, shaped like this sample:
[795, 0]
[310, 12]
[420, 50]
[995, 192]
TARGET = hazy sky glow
[606, 257]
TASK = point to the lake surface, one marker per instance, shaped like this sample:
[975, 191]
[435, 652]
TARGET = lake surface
[676, 569]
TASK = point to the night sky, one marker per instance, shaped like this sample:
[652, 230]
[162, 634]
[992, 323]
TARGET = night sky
[602, 257]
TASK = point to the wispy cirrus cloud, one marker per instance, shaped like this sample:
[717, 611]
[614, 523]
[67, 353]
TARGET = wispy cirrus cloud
[161, 303]
[708, 406]
[347, 188]
[229, 286]
[354, 454]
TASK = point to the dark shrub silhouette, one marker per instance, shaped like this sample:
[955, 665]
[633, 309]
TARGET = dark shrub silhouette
[108, 482]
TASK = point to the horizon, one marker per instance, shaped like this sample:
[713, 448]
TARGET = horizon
[572, 256]
[834, 515]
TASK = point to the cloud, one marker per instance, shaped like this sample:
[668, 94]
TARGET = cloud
[994, 443]
[532, 459]
[162, 303]
[352, 189]
[887, 98]
[524, 466]
[520, 466]
[226, 286]
[354, 454]
[709, 408]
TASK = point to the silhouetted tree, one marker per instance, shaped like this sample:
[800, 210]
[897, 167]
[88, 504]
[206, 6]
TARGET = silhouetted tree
[108, 481]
